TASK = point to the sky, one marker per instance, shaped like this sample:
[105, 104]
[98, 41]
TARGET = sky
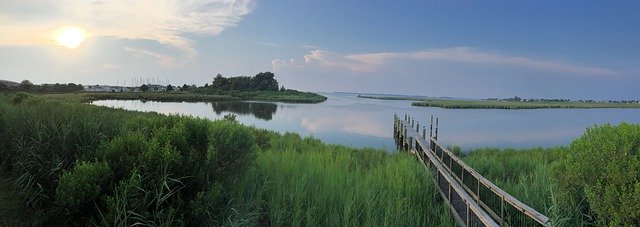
[470, 49]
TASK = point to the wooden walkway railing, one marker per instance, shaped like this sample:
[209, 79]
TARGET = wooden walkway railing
[474, 200]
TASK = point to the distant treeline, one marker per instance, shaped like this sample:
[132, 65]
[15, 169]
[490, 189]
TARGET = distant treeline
[26, 85]
[518, 99]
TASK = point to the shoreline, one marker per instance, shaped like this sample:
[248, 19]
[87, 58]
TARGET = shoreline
[492, 104]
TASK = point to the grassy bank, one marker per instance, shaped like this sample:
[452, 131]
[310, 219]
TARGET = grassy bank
[291, 96]
[594, 181]
[179, 96]
[496, 104]
[144, 96]
[76, 164]
[523, 173]
[488, 104]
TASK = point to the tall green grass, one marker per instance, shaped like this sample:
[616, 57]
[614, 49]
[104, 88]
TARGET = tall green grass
[304, 182]
[526, 175]
[77, 164]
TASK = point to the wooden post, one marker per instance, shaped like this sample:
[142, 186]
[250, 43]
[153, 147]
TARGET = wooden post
[405, 116]
[437, 128]
[431, 127]
[417, 126]
[413, 121]
[502, 222]
[424, 133]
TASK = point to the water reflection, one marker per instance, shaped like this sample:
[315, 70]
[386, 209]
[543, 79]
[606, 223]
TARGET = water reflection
[346, 119]
[261, 110]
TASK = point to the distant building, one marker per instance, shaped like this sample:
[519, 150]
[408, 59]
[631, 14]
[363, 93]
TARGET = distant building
[157, 87]
[108, 88]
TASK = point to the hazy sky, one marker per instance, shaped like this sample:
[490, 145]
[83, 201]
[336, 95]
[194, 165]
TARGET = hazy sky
[536, 49]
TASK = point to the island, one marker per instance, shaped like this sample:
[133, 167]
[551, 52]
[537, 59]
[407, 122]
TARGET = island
[508, 103]
[261, 87]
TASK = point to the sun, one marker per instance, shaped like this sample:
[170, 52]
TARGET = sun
[70, 36]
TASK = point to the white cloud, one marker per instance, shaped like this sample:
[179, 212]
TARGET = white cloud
[165, 21]
[162, 59]
[110, 66]
[270, 44]
[372, 62]
[313, 47]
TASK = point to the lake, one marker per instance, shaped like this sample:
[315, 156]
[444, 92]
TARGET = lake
[348, 120]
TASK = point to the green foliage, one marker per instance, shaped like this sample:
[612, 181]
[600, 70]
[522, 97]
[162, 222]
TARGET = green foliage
[81, 188]
[26, 85]
[230, 117]
[526, 174]
[144, 88]
[20, 97]
[232, 150]
[263, 81]
[602, 167]
[122, 153]
[102, 166]
[300, 181]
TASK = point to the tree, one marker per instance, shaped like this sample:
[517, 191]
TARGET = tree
[3, 87]
[26, 85]
[169, 87]
[220, 82]
[265, 81]
[144, 87]
[185, 87]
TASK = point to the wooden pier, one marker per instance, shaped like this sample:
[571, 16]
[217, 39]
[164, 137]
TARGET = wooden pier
[474, 200]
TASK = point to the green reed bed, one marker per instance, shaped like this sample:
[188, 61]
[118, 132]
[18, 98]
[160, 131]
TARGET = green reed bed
[492, 104]
[304, 182]
[77, 164]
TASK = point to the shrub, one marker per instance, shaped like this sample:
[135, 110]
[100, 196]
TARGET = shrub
[81, 187]
[602, 167]
[232, 150]
[122, 153]
[20, 97]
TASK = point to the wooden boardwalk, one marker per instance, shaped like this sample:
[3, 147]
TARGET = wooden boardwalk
[474, 200]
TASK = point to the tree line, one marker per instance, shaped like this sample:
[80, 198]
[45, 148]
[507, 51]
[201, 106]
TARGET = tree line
[263, 81]
[27, 85]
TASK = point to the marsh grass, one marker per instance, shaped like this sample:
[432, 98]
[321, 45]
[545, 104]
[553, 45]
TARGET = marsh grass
[304, 182]
[96, 165]
[491, 104]
[526, 175]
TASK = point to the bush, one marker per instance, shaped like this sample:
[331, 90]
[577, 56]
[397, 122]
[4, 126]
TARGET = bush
[232, 150]
[602, 167]
[20, 97]
[122, 153]
[81, 187]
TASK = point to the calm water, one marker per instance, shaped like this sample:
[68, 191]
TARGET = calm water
[346, 119]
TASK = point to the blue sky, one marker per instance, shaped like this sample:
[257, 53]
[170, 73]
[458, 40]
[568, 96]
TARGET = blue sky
[477, 49]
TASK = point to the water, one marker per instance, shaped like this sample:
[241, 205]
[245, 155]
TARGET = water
[348, 120]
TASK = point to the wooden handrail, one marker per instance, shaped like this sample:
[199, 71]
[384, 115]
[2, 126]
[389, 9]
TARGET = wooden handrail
[411, 138]
[524, 208]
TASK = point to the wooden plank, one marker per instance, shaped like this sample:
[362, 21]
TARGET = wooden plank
[464, 196]
[406, 131]
[537, 216]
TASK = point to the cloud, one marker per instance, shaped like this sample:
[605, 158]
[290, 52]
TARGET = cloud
[162, 59]
[165, 21]
[313, 47]
[372, 62]
[110, 66]
[270, 44]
